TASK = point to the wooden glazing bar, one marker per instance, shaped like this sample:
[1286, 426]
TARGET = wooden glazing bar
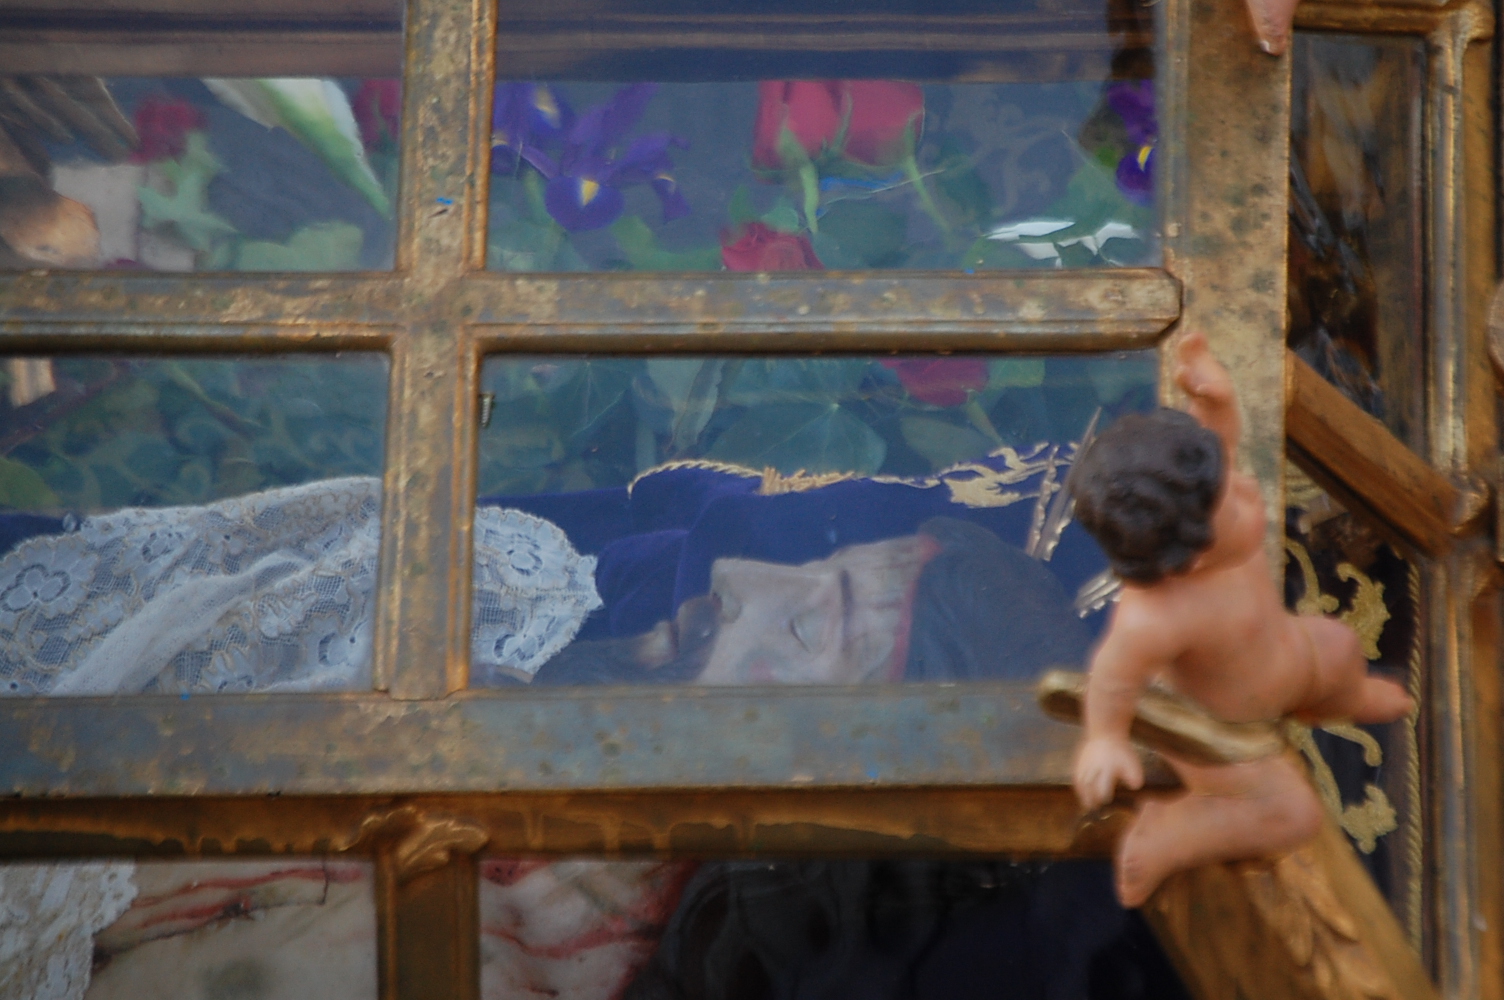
[1093, 310]
[1376, 18]
[1464, 704]
[203, 52]
[975, 734]
[520, 38]
[1358, 451]
[1018, 820]
[48, 339]
[51, 298]
[421, 643]
[1225, 196]
[230, 11]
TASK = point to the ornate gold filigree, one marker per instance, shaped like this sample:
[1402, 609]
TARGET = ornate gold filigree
[1368, 614]
[1365, 822]
[423, 840]
[1312, 600]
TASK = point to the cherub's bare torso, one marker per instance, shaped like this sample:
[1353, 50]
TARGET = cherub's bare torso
[1241, 654]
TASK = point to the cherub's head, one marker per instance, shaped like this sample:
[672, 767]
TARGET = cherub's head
[1146, 489]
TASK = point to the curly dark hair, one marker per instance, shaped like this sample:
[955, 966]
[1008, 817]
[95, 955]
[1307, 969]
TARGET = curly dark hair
[1146, 489]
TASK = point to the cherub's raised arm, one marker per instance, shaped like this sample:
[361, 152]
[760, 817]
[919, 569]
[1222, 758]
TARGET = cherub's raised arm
[1135, 649]
[1211, 398]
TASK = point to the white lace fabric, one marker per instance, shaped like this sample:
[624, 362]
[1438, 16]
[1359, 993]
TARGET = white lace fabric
[274, 591]
[49, 914]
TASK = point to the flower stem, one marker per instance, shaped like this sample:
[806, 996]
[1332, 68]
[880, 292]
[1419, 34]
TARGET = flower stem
[980, 420]
[911, 171]
[809, 179]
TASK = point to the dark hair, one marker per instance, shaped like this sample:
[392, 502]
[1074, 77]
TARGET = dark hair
[1146, 489]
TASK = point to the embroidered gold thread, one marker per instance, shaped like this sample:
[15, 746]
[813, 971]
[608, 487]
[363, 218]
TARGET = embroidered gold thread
[1312, 601]
[1368, 613]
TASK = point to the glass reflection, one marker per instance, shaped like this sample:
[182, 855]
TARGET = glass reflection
[794, 175]
[1357, 280]
[182, 174]
[273, 930]
[731, 521]
[188, 525]
[905, 930]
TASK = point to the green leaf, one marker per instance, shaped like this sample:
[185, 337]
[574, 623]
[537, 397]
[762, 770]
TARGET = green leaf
[323, 246]
[962, 186]
[783, 216]
[943, 443]
[801, 436]
[186, 209]
[866, 231]
[640, 247]
[22, 488]
[997, 255]
[1021, 373]
[582, 402]
[741, 210]
[797, 380]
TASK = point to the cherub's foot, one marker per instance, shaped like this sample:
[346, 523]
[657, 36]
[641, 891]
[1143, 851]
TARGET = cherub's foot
[1231, 811]
[1141, 864]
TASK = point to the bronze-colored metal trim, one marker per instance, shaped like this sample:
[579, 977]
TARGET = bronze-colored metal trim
[800, 823]
[209, 52]
[1379, 18]
[1099, 310]
[988, 733]
[58, 297]
[74, 338]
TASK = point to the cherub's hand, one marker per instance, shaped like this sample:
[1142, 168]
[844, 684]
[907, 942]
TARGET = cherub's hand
[1200, 375]
[1101, 765]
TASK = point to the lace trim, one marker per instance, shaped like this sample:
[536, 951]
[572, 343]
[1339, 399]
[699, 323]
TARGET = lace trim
[49, 914]
[274, 591]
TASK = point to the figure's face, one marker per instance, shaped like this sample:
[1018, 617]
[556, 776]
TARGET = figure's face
[839, 620]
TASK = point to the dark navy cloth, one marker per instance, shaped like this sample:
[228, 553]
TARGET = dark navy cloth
[655, 542]
[16, 528]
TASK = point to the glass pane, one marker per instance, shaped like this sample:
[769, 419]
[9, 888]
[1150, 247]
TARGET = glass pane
[888, 930]
[212, 173]
[792, 520]
[1369, 776]
[189, 525]
[269, 930]
[1357, 271]
[952, 137]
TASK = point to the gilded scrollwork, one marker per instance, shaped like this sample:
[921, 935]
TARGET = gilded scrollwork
[1367, 614]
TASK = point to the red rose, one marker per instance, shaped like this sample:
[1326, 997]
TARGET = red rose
[162, 127]
[885, 120]
[760, 248]
[939, 381]
[808, 113]
[378, 111]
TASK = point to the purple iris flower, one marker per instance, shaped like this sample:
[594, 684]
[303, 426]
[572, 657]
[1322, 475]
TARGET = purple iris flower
[583, 163]
[1133, 100]
[525, 117]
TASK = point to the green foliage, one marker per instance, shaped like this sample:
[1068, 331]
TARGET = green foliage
[158, 432]
[323, 246]
[795, 437]
[185, 211]
[640, 247]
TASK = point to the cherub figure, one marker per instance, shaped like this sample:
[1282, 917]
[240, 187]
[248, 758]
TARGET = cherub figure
[1199, 612]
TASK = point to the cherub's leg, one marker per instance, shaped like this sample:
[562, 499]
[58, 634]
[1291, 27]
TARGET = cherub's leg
[1342, 688]
[1229, 812]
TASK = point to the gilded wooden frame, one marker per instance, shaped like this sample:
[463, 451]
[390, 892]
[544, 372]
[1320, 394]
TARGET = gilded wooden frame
[912, 770]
